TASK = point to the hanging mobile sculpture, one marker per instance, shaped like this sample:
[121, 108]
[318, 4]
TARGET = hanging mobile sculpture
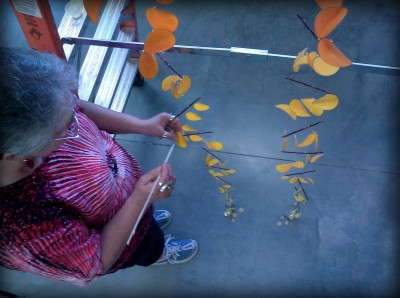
[326, 62]
[162, 39]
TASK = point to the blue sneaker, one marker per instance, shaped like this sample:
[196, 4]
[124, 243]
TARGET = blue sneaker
[177, 251]
[163, 218]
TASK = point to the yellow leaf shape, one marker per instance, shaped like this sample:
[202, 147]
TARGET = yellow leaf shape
[174, 92]
[324, 69]
[231, 171]
[166, 83]
[192, 116]
[215, 174]
[161, 19]
[181, 142]
[316, 139]
[210, 161]
[201, 107]
[284, 177]
[308, 158]
[195, 138]
[316, 111]
[297, 107]
[148, 65]
[186, 127]
[300, 198]
[226, 186]
[315, 158]
[222, 190]
[283, 168]
[327, 102]
[308, 140]
[302, 180]
[214, 145]
[298, 164]
[300, 60]
[159, 41]
[285, 142]
[311, 181]
[310, 58]
[184, 85]
[287, 109]
[295, 179]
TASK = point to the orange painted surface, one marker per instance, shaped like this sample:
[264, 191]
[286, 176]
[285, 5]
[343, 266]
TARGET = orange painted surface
[37, 23]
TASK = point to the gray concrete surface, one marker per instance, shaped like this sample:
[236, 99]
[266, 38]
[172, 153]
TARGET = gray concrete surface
[347, 241]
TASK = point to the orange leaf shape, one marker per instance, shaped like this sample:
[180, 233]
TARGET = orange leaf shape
[329, 3]
[214, 145]
[297, 107]
[161, 19]
[184, 85]
[328, 19]
[93, 9]
[327, 102]
[148, 65]
[181, 142]
[322, 68]
[164, 2]
[192, 116]
[287, 109]
[166, 83]
[159, 41]
[315, 110]
[201, 107]
[331, 54]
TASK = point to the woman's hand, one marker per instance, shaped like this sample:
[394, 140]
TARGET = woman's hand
[161, 126]
[145, 184]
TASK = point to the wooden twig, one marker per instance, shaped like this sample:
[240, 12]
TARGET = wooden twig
[304, 128]
[311, 86]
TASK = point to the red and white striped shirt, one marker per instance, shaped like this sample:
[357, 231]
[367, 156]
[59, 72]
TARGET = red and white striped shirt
[51, 220]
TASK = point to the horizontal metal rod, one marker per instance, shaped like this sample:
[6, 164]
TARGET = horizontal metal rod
[228, 52]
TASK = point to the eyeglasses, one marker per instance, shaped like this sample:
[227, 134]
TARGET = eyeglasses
[73, 130]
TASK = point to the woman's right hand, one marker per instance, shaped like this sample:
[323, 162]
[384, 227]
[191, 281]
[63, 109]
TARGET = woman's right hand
[145, 184]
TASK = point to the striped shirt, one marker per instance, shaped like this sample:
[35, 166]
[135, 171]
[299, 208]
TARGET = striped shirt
[51, 220]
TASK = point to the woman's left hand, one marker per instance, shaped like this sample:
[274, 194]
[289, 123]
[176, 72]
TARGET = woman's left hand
[161, 126]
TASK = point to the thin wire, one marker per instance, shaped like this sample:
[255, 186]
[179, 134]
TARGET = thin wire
[149, 197]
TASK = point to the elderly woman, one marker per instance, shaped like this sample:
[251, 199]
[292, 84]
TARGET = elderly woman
[70, 195]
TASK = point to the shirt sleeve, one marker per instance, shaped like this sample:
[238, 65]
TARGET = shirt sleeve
[63, 249]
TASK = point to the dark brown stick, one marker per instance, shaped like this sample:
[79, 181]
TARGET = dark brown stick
[299, 82]
[304, 128]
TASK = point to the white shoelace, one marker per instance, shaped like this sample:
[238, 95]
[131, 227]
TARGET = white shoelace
[172, 251]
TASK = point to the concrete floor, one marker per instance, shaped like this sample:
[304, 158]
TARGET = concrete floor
[347, 241]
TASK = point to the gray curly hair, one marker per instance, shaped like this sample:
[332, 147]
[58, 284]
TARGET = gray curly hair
[36, 89]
